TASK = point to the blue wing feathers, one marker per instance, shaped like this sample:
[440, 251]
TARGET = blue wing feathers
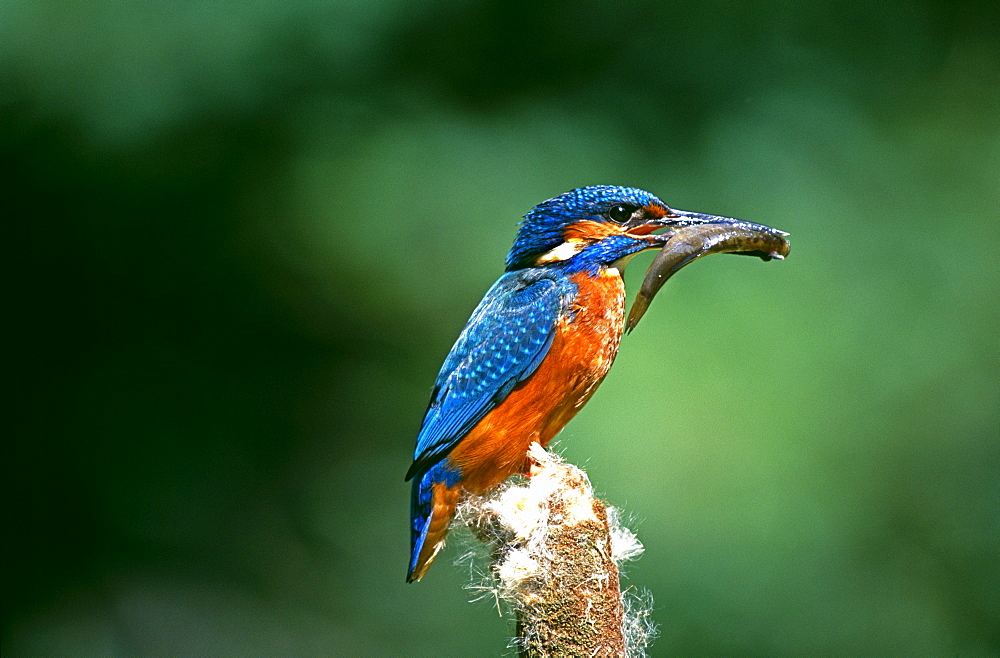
[503, 343]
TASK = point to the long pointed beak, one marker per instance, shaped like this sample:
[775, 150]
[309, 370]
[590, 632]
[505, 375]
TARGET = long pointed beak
[680, 218]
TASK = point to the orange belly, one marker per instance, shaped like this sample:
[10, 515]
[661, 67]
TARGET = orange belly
[582, 351]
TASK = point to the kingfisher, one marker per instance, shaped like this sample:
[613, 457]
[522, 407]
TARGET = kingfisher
[534, 351]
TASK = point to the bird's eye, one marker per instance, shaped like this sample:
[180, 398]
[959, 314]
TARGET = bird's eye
[621, 212]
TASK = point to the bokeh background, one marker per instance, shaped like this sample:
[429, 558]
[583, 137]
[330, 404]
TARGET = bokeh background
[243, 237]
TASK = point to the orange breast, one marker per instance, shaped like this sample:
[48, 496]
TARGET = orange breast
[581, 354]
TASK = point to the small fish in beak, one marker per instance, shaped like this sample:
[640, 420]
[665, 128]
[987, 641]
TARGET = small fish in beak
[697, 235]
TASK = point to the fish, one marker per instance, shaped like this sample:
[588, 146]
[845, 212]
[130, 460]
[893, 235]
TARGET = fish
[686, 244]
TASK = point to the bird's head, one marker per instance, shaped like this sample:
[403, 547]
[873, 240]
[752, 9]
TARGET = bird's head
[595, 226]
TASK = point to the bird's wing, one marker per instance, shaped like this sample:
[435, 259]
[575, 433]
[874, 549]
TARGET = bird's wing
[503, 343]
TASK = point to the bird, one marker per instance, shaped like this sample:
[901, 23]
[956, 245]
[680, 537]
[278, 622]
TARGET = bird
[534, 350]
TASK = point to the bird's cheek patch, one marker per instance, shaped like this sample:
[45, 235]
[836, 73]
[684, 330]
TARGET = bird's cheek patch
[591, 231]
[564, 251]
[577, 237]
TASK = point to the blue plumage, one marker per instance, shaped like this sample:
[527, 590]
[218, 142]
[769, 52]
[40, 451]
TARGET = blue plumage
[421, 504]
[503, 343]
[506, 338]
[605, 252]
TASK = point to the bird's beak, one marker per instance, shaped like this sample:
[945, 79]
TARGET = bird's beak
[681, 218]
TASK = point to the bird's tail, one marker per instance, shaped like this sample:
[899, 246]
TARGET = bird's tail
[432, 507]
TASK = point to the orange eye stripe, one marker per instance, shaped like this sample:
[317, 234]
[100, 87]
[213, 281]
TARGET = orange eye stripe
[655, 210]
[591, 231]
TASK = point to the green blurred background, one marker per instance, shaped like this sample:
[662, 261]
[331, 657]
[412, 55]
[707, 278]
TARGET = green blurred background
[244, 236]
